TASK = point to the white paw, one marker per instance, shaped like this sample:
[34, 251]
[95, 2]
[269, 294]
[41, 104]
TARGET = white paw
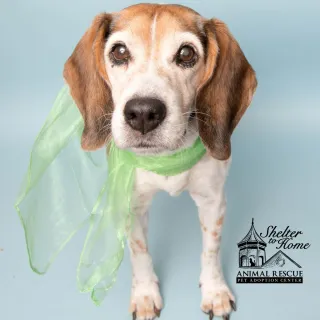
[146, 301]
[217, 299]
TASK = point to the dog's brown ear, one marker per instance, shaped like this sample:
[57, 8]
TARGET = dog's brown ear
[226, 92]
[86, 76]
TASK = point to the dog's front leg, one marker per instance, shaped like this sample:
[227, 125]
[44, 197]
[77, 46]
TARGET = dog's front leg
[217, 299]
[146, 301]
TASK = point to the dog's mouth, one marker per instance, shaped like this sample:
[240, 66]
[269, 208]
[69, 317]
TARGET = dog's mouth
[144, 149]
[148, 146]
[144, 145]
[151, 148]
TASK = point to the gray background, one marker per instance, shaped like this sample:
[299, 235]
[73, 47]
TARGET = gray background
[274, 177]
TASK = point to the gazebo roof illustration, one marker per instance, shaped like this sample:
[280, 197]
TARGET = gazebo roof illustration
[252, 237]
[280, 259]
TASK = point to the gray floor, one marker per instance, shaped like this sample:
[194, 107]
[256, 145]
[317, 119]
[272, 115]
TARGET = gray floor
[274, 176]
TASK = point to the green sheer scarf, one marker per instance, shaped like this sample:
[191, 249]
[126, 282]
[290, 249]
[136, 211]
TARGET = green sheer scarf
[66, 188]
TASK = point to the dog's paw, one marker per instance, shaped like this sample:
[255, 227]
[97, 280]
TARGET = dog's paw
[217, 300]
[146, 301]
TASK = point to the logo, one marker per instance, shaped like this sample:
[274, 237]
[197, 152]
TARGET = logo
[256, 267]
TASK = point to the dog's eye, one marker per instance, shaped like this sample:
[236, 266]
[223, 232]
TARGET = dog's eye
[120, 54]
[186, 56]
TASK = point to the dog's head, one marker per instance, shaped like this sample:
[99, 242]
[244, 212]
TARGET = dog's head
[155, 76]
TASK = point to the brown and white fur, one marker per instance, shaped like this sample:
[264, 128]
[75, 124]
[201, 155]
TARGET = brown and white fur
[218, 88]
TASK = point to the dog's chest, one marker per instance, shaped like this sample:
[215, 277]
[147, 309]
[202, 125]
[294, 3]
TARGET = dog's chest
[174, 185]
[206, 175]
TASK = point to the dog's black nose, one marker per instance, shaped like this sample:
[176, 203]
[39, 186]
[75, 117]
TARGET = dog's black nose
[144, 114]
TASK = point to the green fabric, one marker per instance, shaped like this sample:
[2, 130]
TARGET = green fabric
[67, 189]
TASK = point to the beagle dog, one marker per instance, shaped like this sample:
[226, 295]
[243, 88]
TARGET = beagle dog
[155, 78]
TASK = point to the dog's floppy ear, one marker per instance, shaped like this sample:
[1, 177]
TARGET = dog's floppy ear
[86, 76]
[226, 92]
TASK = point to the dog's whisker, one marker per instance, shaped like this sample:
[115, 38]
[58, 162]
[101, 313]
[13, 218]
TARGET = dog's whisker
[104, 129]
[199, 112]
[105, 116]
[204, 122]
[196, 112]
